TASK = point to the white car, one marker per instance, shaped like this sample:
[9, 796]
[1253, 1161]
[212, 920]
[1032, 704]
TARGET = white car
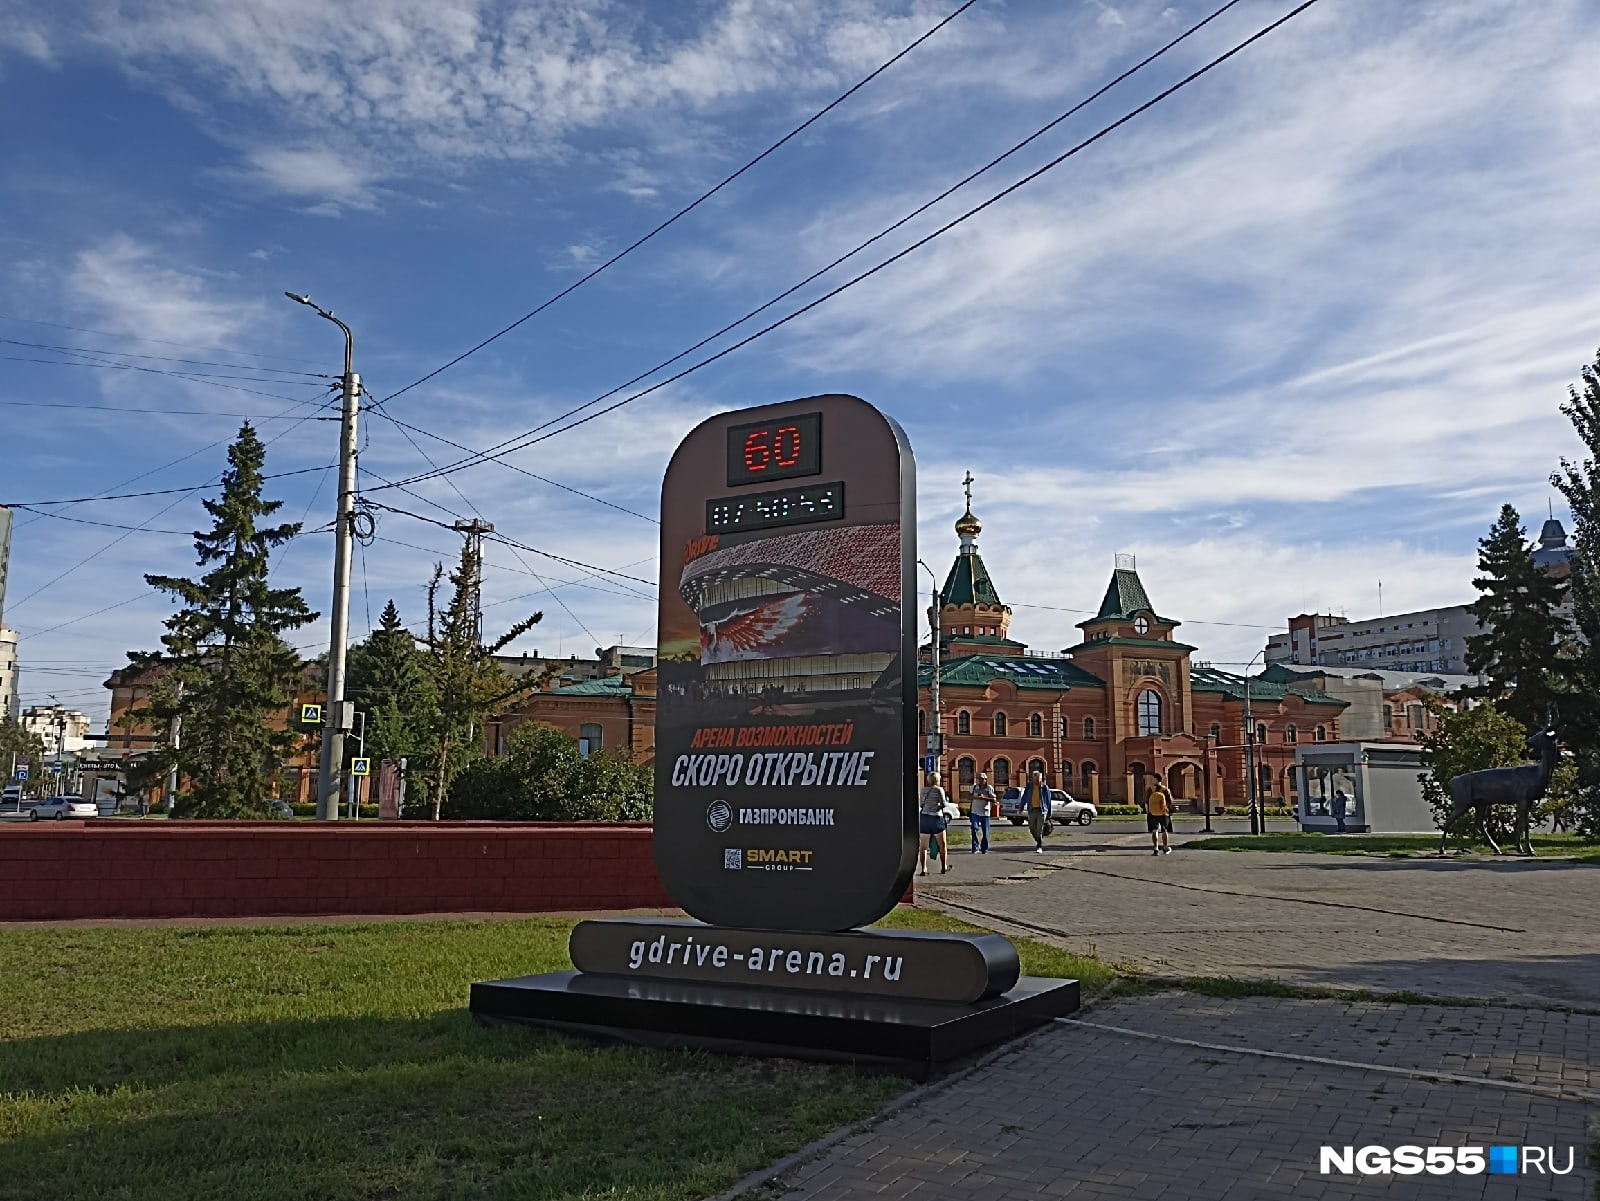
[1064, 809]
[58, 807]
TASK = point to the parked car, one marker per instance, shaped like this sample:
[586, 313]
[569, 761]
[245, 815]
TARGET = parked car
[1064, 808]
[11, 798]
[1011, 809]
[281, 809]
[58, 807]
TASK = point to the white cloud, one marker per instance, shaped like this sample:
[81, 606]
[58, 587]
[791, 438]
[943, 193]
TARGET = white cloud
[128, 287]
[314, 172]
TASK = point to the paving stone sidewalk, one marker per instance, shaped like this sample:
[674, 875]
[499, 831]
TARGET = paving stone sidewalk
[1084, 1112]
[1524, 931]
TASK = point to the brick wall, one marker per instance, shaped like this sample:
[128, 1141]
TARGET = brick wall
[117, 869]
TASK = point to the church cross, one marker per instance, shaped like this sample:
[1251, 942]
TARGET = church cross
[967, 484]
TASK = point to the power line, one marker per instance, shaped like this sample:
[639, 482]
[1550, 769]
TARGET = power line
[527, 439]
[1242, 625]
[101, 333]
[83, 500]
[191, 376]
[160, 358]
[600, 500]
[688, 208]
[439, 554]
[110, 525]
[52, 404]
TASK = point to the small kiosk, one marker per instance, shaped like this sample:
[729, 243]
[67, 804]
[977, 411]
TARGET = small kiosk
[1381, 780]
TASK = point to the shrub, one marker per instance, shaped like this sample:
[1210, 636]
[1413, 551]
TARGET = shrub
[542, 777]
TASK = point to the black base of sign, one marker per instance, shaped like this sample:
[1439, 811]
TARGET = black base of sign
[912, 1038]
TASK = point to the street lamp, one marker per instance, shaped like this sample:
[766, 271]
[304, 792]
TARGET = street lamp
[1258, 820]
[935, 743]
[335, 720]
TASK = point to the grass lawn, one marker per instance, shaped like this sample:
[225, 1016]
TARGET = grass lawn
[1384, 844]
[339, 1061]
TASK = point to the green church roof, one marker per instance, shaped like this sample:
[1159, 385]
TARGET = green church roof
[968, 582]
[605, 686]
[1209, 679]
[1125, 596]
[977, 670]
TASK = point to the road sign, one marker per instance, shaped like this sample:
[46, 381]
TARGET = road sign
[311, 715]
[360, 767]
[785, 794]
[928, 762]
[22, 774]
[23, 761]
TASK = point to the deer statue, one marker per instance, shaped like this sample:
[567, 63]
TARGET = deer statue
[1480, 791]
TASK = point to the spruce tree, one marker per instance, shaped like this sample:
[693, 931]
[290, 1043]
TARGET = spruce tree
[1516, 606]
[388, 683]
[225, 669]
[466, 685]
[1579, 483]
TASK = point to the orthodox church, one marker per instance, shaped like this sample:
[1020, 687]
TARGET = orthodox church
[1102, 719]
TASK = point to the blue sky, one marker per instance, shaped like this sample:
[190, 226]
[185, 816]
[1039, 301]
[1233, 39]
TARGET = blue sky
[1303, 327]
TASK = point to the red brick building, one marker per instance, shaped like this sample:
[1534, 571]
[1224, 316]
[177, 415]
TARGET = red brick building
[1106, 716]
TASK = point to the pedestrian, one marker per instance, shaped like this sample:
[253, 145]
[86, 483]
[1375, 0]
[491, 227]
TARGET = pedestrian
[1036, 804]
[932, 824]
[983, 803]
[1341, 803]
[1158, 819]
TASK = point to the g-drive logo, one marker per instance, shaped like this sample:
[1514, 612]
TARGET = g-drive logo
[1443, 1161]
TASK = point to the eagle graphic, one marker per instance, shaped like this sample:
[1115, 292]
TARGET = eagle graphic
[750, 633]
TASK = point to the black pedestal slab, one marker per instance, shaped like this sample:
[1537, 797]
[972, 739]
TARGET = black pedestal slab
[913, 1038]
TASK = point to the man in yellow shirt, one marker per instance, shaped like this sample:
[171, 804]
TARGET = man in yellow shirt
[1158, 819]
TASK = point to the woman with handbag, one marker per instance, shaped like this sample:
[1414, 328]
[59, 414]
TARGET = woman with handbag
[932, 824]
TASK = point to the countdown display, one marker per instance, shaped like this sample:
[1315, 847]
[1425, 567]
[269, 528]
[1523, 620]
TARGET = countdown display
[785, 794]
[775, 450]
[800, 505]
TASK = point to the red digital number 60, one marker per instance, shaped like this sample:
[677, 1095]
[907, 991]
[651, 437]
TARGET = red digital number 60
[757, 454]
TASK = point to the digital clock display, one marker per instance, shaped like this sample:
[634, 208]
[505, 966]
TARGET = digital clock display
[775, 450]
[770, 510]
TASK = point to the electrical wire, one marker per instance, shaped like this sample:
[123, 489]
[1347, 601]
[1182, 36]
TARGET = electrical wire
[161, 358]
[110, 525]
[192, 377]
[83, 500]
[694, 204]
[101, 333]
[527, 439]
[51, 404]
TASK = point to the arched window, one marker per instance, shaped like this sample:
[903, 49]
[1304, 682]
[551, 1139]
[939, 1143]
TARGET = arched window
[1322, 734]
[1261, 732]
[1087, 775]
[965, 771]
[922, 721]
[1415, 712]
[1291, 734]
[1149, 706]
[1000, 769]
[999, 723]
[1035, 726]
[1288, 781]
[588, 739]
[1216, 731]
[963, 722]
[1066, 727]
[1088, 729]
[1037, 765]
[1388, 717]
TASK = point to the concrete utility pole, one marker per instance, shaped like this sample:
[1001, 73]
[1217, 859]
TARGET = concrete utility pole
[336, 719]
[935, 742]
[474, 531]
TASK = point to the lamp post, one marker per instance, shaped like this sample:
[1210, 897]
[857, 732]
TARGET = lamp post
[935, 726]
[1210, 740]
[1258, 821]
[335, 720]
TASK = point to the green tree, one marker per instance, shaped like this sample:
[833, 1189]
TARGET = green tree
[1516, 606]
[229, 672]
[466, 685]
[542, 777]
[15, 740]
[1469, 740]
[389, 683]
[1579, 700]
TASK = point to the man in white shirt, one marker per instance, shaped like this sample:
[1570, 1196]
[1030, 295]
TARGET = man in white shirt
[980, 813]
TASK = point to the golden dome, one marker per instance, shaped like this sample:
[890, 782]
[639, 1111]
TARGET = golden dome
[968, 526]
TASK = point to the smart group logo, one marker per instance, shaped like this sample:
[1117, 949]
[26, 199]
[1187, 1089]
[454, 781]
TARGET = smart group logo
[1445, 1161]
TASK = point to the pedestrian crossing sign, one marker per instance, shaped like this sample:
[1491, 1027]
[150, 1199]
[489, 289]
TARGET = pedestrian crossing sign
[361, 767]
[311, 715]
